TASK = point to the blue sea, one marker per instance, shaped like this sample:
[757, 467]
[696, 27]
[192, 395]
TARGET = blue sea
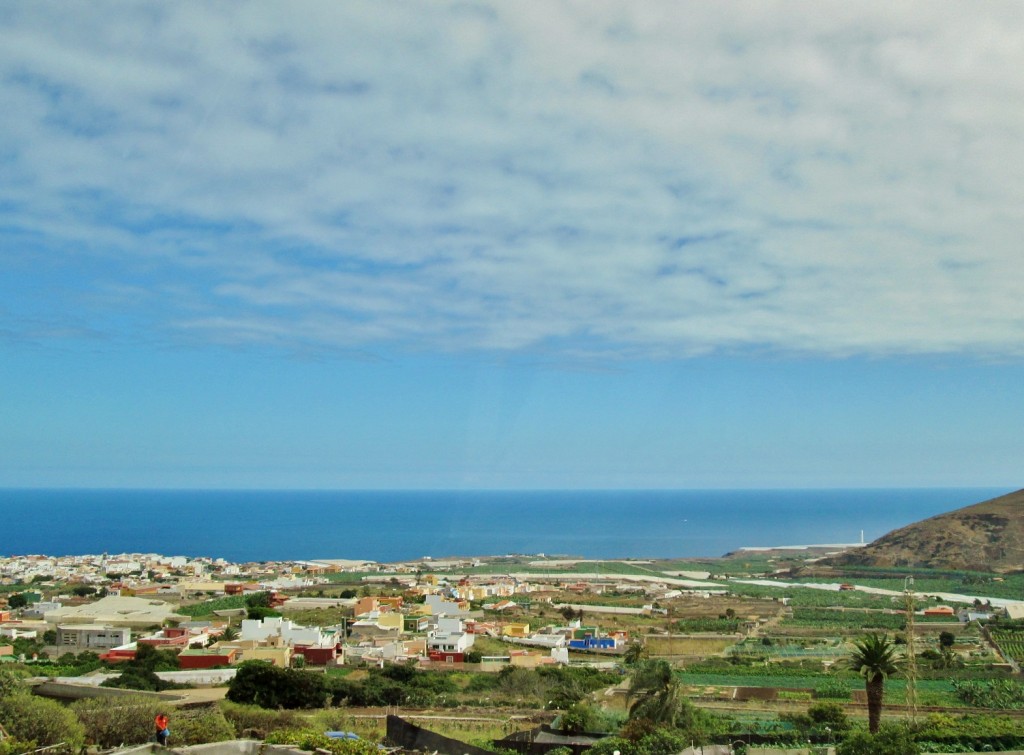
[399, 525]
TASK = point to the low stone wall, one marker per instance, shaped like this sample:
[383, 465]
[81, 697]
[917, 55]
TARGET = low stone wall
[200, 677]
[66, 691]
[197, 677]
[232, 747]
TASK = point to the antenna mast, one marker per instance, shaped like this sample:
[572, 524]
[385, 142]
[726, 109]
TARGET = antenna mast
[911, 667]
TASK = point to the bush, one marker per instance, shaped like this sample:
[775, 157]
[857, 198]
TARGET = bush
[138, 679]
[483, 682]
[662, 742]
[890, 740]
[258, 613]
[580, 718]
[124, 721]
[11, 682]
[609, 745]
[208, 726]
[12, 746]
[17, 600]
[42, 721]
[263, 684]
[310, 739]
[256, 722]
[258, 600]
[829, 715]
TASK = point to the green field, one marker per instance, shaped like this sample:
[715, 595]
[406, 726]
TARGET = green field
[826, 618]
[1010, 642]
[206, 608]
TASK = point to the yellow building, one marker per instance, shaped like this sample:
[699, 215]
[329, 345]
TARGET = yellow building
[252, 650]
[394, 621]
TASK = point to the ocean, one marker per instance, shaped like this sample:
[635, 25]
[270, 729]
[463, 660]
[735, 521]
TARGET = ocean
[241, 526]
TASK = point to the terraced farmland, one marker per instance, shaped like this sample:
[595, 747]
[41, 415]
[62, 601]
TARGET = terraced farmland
[1011, 643]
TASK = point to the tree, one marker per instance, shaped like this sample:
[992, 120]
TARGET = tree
[257, 613]
[580, 718]
[947, 639]
[17, 600]
[635, 653]
[657, 696]
[258, 600]
[271, 687]
[947, 658]
[140, 672]
[874, 658]
[829, 715]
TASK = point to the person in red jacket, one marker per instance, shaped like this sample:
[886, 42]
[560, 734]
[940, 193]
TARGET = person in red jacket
[162, 732]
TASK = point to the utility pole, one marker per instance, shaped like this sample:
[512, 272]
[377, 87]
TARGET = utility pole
[908, 597]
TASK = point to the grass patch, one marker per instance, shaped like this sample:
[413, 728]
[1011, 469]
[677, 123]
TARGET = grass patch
[207, 607]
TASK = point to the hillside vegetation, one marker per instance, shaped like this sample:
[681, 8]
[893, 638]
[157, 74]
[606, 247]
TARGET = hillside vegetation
[987, 536]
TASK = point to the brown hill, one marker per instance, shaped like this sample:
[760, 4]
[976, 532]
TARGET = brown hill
[987, 536]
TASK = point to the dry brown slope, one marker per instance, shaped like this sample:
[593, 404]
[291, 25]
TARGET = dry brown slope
[986, 536]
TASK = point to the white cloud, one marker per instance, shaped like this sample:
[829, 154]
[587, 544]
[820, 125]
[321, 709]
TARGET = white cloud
[660, 180]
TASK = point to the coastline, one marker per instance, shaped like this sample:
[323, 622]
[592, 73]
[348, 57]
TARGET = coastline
[394, 526]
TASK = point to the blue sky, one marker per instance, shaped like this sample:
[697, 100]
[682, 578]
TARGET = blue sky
[513, 245]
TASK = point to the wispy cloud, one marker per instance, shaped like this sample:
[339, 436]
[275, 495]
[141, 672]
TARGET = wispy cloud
[660, 180]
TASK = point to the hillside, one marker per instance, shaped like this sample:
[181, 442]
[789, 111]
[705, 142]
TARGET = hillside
[986, 536]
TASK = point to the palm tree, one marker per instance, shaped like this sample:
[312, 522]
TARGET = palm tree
[635, 653]
[874, 658]
[657, 695]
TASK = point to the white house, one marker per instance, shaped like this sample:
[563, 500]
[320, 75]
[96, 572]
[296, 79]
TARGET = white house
[274, 626]
[449, 637]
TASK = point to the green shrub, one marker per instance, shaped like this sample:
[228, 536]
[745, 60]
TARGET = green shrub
[890, 740]
[662, 742]
[123, 721]
[256, 722]
[13, 746]
[42, 721]
[268, 686]
[609, 745]
[208, 725]
[580, 718]
[311, 739]
[11, 682]
[829, 715]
